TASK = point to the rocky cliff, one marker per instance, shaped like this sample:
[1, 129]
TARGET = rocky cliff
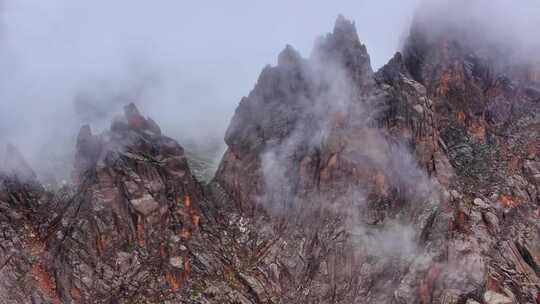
[418, 183]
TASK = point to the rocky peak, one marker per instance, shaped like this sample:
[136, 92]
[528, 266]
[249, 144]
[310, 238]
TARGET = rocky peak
[443, 34]
[131, 111]
[279, 89]
[344, 34]
[134, 121]
[133, 117]
[487, 127]
[299, 88]
[85, 133]
[422, 188]
[88, 150]
[344, 28]
[394, 70]
[343, 47]
[432, 134]
[478, 89]
[289, 57]
[132, 130]
[132, 210]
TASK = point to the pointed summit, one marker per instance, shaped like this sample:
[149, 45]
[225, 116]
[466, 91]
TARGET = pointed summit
[133, 116]
[393, 70]
[136, 121]
[289, 57]
[87, 153]
[130, 110]
[343, 47]
[84, 133]
[346, 28]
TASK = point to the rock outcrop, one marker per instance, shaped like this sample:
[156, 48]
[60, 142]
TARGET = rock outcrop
[418, 183]
[442, 141]
[120, 236]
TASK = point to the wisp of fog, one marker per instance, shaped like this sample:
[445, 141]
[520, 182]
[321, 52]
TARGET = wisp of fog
[185, 64]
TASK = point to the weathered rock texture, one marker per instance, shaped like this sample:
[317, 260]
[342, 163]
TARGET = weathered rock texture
[418, 183]
[119, 236]
[437, 149]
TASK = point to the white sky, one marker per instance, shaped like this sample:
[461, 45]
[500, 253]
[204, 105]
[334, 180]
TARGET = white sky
[202, 56]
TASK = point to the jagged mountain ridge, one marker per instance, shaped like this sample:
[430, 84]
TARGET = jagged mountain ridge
[414, 184]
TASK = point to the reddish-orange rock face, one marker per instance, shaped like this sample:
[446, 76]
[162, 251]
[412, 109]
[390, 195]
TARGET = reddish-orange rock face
[44, 282]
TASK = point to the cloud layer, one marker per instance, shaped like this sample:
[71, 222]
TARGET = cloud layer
[186, 64]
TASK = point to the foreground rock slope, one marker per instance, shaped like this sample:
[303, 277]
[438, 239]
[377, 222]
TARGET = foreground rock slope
[418, 183]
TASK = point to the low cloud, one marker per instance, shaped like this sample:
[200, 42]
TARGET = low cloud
[66, 63]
